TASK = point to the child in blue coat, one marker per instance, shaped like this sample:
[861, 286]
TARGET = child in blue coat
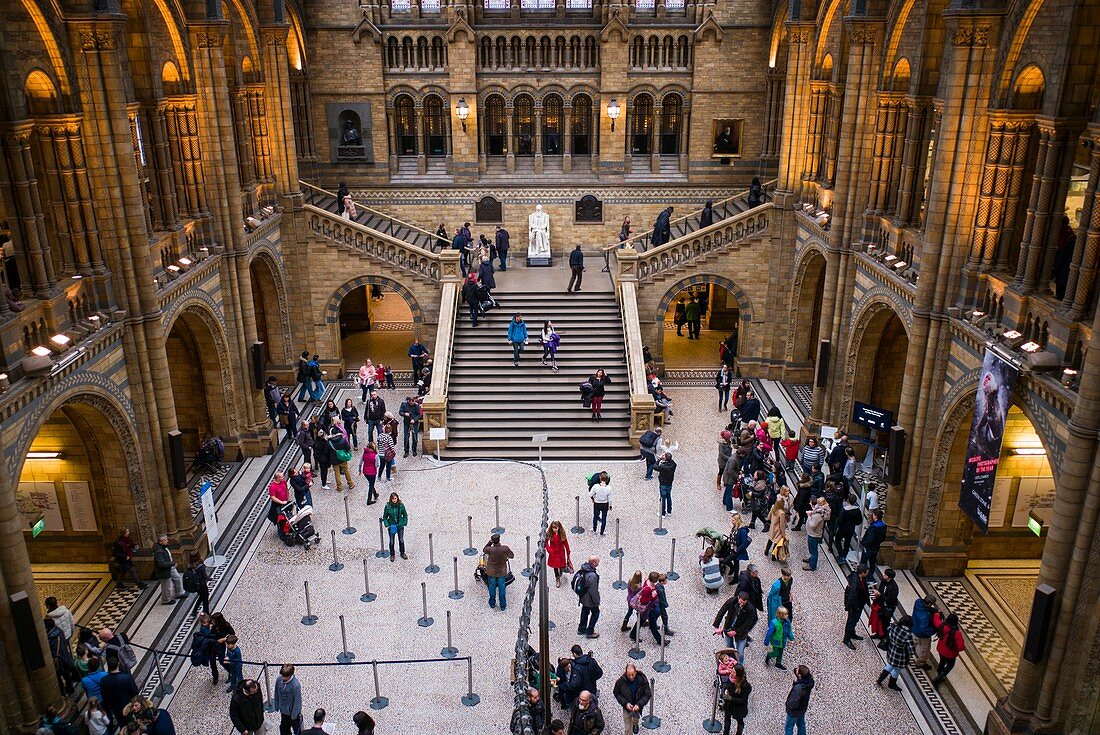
[779, 632]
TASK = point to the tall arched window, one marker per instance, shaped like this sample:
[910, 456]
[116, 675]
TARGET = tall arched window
[524, 125]
[559, 52]
[551, 125]
[545, 61]
[672, 116]
[581, 124]
[496, 127]
[641, 125]
[531, 59]
[435, 127]
[514, 61]
[682, 60]
[404, 118]
[637, 51]
[408, 55]
[591, 57]
[422, 53]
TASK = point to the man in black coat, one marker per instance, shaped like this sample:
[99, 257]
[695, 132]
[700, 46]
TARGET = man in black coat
[576, 267]
[662, 228]
[887, 597]
[116, 690]
[469, 295]
[735, 620]
[585, 672]
[374, 412]
[632, 692]
[838, 454]
[751, 410]
[246, 708]
[748, 582]
[856, 597]
[502, 247]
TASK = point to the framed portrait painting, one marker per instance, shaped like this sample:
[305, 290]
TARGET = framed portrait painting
[726, 137]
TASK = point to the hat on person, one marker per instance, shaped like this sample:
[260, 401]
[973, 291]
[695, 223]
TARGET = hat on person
[725, 436]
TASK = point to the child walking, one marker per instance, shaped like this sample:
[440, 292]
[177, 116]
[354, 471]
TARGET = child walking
[779, 633]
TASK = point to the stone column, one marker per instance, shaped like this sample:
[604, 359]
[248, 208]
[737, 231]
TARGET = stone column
[243, 138]
[773, 114]
[889, 135]
[796, 93]
[919, 116]
[538, 140]
[567, 137]
[1053, 164]
[1002, 179]
[421, 145]
[819, 106]
[164, 190]
[509, 116]
[62, 153]
[27, 221]
[949, 214]
[1082, 274]
[183, 136]
[279, 109]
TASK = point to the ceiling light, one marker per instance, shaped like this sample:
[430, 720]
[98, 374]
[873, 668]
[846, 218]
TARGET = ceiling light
[1029, 451]
[185, 262]
[44, 455]
[41, 351]
[61, 340]
[899, 265]
[1030, 347]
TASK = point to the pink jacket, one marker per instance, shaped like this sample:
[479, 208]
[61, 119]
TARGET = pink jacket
[369, 465]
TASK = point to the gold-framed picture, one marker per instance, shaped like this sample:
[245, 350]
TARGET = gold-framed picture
[726, 137]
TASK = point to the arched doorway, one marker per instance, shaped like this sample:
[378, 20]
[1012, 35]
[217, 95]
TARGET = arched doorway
[720, 319]
[202, 387]
[378, 319]
[807, 314]
[879, 362]
[268, 304]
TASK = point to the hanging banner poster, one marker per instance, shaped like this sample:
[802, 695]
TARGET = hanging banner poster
[983, 449]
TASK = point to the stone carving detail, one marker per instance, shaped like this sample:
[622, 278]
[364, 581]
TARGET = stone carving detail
[488, 209]
[798, 36]
[971, 36]
[863, 35]
[97, 40]
[210, 38]
[588, 209]
[364, 241]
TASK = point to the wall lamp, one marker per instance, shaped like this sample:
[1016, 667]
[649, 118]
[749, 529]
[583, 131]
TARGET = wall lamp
[613, 112]
[463, 111]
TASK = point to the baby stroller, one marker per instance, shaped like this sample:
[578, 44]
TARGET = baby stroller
[295, 525]
[209, 457]
[485, 299]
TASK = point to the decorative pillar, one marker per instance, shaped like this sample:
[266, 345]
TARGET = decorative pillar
[509, 116]
[919, 116]
[831, 144]
[242, 138]
[889, 134]
[1082, 273]
[258, 134]
[538, 140]
[567, 137]
[1044, 212]
[183, 136]
[654, 141]
[165, 211]
[279, 105]
[819, 108]
[70, 199]
[28, 223]
[419, 136]
[796, 103]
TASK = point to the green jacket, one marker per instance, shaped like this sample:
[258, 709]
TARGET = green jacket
[395, 515]
[691, 311]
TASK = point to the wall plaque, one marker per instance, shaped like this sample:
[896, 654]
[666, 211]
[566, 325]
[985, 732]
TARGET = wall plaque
[488, 210]
[588, 209]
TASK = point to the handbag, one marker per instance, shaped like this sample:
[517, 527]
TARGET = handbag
[343, 455]
[391, 454]
[284, 419]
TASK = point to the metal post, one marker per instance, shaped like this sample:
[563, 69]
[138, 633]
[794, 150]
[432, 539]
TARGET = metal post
[450, 651]
[470, 699]
[367, 595]
[349, 529]
[456, 593]
[164, 687]
[578, 528]
[309, 618]
[651, 721]
[660, 530]
[527, 571]
[469, 550]
[344, 656]
[636, 651]
[496, 510]
[662, 666]
[424, 620]
[269, 703]
[713, 725]
[618, 550]
[431, 568]
[379, 702]
[381, 553]
[672, 575]
[335, 566]
[619, 584]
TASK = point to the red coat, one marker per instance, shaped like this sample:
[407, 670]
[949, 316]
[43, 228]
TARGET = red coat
[946, 647]
[557, 547]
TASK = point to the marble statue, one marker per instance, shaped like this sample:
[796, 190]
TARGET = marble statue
[538, 238]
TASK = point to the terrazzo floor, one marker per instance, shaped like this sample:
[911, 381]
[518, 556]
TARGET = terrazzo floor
[268, 603]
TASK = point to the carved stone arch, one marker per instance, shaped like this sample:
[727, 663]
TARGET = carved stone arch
[676, 89]
[614, 27]
[709, 27]
[200, 305]
[332, 308]
[550, 89]
[744, 303]
[874, 303]
[949, 428]
[579, 89]
[96, 391]
[404, 89]
[641, 89]
[512, 94]
[807, 255]
[266, 255]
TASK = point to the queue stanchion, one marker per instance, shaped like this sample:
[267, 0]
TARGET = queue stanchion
[335, 566]
[348, 529]
[469, 550]
[381, 553]
[469, 698]
[269, 703]
[424, 621]
[713, 724]
[672, 575]
[618, 550]
[661, 666]
[619, 584]
[379, 702]
[309, 618]
[496, 511]
[367, 595]
[345, 656]
[456, 593]
[660, 530]
[578, 528]
[162, 684]
[527, 570]
[449, 651]
[636, 651]
[432, 568]
[651, 721]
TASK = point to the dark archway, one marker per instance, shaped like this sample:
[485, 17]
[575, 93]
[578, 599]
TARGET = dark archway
[268, 303]
[198, 387]
[376, 318]
[879, 364]
[807, 311]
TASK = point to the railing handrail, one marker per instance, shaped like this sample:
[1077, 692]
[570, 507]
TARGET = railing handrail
[431, 235]
[443, 350]
[693, 213]
[377, 233]
[732, 219]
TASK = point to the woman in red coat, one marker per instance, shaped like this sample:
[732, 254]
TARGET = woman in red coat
[950, 645]
[557, 550]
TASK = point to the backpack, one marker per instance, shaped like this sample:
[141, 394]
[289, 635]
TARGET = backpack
[191, 581]
[580, 582]
[126, 656]
[649, 440]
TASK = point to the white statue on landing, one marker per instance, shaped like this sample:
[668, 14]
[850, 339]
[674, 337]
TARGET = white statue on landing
[538, 238]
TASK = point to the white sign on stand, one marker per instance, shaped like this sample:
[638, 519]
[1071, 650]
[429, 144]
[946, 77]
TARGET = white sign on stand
[210, 518]
[437, 434]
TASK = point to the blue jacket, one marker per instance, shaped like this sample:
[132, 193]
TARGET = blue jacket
[874, 536]
[288, 696]
[775, 597]
[743, 542]
[922, 620]
[576, 258]
[517, 331]
[662, 601]
[788, 633]
[234, 658]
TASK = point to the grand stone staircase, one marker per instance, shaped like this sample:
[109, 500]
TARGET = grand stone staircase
[493, 408]
[374, 219]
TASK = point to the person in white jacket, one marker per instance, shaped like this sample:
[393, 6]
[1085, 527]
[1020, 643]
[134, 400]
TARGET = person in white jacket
[601, 503]
[61, 617]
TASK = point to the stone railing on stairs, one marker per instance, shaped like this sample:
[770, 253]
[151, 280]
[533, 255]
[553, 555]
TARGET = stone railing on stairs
[641, 402]
[435, 402]
[371, 218]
